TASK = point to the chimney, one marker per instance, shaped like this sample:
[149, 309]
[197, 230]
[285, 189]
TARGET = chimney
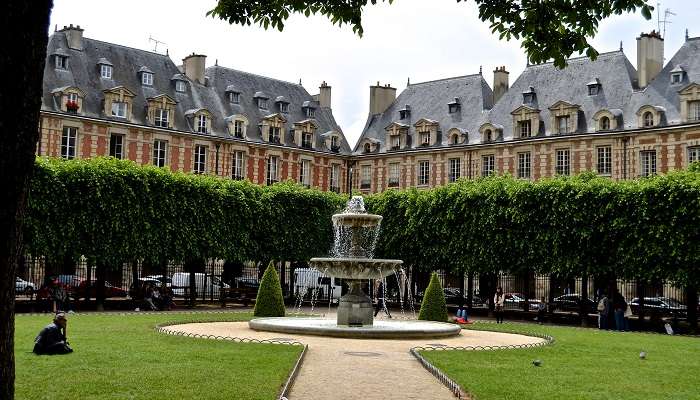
[194, 65]
[500, 83]
[380, 98]
[74, 36]
[650, 57]
[324, 95]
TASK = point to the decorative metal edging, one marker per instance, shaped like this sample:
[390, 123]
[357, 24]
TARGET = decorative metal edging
[453, 386]
[127, 313]
[293, 375]
[163, 328]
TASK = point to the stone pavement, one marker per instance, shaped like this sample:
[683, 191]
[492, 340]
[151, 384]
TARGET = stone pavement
[362, 369]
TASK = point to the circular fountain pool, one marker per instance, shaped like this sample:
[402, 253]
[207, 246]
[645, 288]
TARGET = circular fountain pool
[381, 329]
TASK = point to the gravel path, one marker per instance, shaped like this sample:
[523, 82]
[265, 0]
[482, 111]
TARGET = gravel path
[362, 369]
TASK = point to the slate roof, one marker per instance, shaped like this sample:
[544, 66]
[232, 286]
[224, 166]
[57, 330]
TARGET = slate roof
[83, 71]
[430, 100]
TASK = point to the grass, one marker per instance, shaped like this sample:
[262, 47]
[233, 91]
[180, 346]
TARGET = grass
[581, 364]
[122, 357]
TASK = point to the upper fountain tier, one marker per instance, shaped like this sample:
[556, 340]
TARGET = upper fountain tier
[355, 215]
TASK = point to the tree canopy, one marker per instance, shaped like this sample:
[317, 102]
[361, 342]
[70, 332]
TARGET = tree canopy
[549, 29]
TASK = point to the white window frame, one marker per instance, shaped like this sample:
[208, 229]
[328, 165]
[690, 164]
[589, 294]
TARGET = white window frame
[234, 97]
[200, 159]
[424, 138]
[161, 118]
[147, 79]
[395, 142]
[454, 169]
[272, 173]
[602, 126]
[238, 128]
[488, 165]
[593, 90]
[180, 86]
[69, 142]
[116, 146]
[647, 159]
[604, 160]
[61, 62]
[238, 165]
[262, 103]
[201, 123]
[119, 109]
[423, 173]
[335, 178]
[365, 177]
[693, 154]
[524, 165]
[309, 112]
[334, 142]
[562, 124]
[676, 78]
[525, 128]
[307, 140]
[694, 110]
[305, 172]
[394, 174]
[284, 107]
[648, 122]
[106, 71]
[563, 162]
[160, 153]
[274, 134]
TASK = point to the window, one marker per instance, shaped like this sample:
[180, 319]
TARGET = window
[72, 102]
[335, 145]
[335, 178]
[201, 123]
[424, 138]
[367, 148]
[119, 109]
[528, 97]
[106, 71]
[693, 154]
[488, 165]
[593, 90]
[604, 162]
[423, 173]
[238, 171]
[284, 107]
[648, 159]
[604, 124]
[147, 78]
[161, 118]
[453, 108]
[200, 159]
[272, 170]
[394, 175]
[676, 78]
[61, 62]
[488, 136]
[648, 119]
[116, 146]
[160, 151]
[524, 165]
[309, 112]
[366, 177]
[305, 173]
[395, 142]
[262, 104]
[563, 165]
[694, 111]
[234, 97]
[180, 86]
[525, 128]
[455, 139]
[455, 170]
[68, 142]
[238, 129]
[403, 114]
[563, 124]
[307, 140]
[273, 134]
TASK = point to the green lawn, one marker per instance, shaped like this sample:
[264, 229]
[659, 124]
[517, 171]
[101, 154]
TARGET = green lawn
[581, 364]
[122, 357]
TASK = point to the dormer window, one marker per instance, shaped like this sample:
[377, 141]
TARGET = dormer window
[454, 106]
[146, 76]
[594, 87]
[201, 123]
[424, 138]
[238, 128]
[106, 71]
[604, 124]
[61, 62]
[284, 107]
[273, 134]
[677, 75]
[648, 119]
[488, 136]
[405, 112]
[283, 104]
[367, 148]
[529, 96]
[525, 128]
[307, 140]
[335, 144]
[563, 124]
[455, 139]
[119, 109]
[234, 97]
[180, 86]
[261, 99]
[161, 118]
[395, 142]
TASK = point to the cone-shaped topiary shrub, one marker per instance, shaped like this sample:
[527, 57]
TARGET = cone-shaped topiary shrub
[433, 307]
[269, 302]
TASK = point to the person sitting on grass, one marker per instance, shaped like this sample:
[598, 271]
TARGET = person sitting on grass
[52, 339]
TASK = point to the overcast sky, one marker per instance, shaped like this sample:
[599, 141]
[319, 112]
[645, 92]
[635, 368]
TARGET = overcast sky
[420, 39]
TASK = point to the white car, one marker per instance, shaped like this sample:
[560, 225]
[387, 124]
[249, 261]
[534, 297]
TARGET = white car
[24, 287]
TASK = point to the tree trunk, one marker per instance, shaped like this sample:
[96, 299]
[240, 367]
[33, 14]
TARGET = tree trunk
[583, 301]
[692, 303]
[22, 66]
[470, 291]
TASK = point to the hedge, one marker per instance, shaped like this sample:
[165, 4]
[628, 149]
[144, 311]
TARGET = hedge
[434, 306]
[114, 211]
[646, 229]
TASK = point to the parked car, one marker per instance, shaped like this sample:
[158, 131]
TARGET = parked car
[205, 284]
[86, 289]
[24, 287]
[452, 296]
[664, 306]
[570, 302]
[515, 301]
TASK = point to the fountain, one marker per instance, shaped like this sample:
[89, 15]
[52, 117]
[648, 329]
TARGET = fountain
[352, 259]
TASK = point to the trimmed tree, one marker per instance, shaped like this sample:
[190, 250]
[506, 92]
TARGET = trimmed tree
[434, 307]
[269, 302]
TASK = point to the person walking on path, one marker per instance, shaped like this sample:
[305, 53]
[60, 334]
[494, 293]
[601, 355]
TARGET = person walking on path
[498, 302]
[381, 304]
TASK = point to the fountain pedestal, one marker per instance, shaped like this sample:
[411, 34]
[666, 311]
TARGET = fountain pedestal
[355, 308]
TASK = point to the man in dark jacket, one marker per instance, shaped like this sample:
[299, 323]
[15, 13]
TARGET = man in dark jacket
[52, 339]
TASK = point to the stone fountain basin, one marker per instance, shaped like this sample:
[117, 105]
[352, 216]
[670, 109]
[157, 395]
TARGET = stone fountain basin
[357, 220]
[380, 330]
[355, 268]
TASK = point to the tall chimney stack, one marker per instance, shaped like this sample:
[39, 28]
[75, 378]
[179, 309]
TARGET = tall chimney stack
[324, 95]
[380, 98]
[194, 66]
[74, 36]
[650, 57]
[500, 83]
